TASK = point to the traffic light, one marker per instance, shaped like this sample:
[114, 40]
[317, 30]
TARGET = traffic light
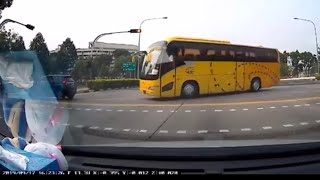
[135, 31]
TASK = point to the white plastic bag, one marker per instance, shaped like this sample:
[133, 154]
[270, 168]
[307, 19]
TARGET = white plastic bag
[14, 159]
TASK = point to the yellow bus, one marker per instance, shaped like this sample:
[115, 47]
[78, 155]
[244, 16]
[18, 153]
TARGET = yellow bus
[189, 67]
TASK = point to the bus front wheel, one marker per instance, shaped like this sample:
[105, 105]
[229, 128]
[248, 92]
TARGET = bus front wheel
[190, 89]
[255, 84]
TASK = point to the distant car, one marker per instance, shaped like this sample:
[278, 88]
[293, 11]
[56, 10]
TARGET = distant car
[63, 86]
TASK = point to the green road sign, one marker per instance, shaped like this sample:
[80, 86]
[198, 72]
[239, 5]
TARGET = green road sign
[129, 67]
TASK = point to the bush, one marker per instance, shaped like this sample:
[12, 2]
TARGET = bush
[111, 83]
[318, 77]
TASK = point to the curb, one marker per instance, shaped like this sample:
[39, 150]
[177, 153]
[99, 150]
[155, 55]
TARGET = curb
[297, 82]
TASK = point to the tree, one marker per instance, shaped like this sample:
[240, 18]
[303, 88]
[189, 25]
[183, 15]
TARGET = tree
[5, 4]
[120, 52]
[101, 65]
[284, 70]
[118, 65]
[11, 41]
[39, 45]
[67, 56]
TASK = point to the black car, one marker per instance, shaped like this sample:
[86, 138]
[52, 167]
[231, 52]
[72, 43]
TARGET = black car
[63, 86]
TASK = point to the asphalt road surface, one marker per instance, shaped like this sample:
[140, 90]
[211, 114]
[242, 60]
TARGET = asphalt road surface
[125, 115]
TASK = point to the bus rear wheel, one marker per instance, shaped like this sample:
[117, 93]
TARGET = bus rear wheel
[255, 84]
[190, 89]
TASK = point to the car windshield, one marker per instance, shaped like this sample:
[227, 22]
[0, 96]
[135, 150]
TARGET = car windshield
[197, 71]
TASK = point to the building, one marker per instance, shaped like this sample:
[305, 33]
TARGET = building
[100, 48]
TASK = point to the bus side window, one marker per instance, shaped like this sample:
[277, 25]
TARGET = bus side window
[211, 55]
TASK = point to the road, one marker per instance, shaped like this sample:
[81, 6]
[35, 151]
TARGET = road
[126, 115]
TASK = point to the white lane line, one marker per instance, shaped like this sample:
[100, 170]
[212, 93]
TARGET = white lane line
[203, 110]
[94, 127]
[108, 110]
[163, 132]
[126, 130]
[246, 129]
[284, 106]
[143, 131]
[108, 129]
[307, 105]
[65, 124]
[145, 111]
[260, 108]
[187, 111]
[287, 125]
[304, 123]
[88, 109]
[297, 105]
[218, 110]
[79, 126]
[69, 108]
[78, 109]
[172, 111]
[120, 110]
[61, 107]
[317, 121]
[267, 127]
[132, 110]
[318, 103]
[272, 107]
[159, 111]
[245, 109]
[202, 131]
[181, 132]
[232, 110]
[98, 109]
[224, 130]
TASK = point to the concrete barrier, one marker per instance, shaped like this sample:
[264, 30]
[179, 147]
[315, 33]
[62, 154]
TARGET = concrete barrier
[298, 81]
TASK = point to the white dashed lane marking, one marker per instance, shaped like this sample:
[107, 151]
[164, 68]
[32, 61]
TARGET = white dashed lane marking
[79, 126]
[159, 111]
[132, 110]
[307, 105]
[98, 109]
[187, 111]
[108, 129]
[284, 106]
[120, 110]
[88, 109]
[317, 121]
[143, 131]
[108, 110]
[126, 130]
[287, 125]
[182, 132]
[232, 110]
[272, 107]
[267, 127]
[78, 109]
[297, 105]
[245, 109]
[145, 111]
[202, 131]
[246, 129]
[318, 103]
[163, 132]
[69, 108]
[203, 110]
[224, 131]
[218, 110]
[260, 108]
[304, 123]
[95, 127]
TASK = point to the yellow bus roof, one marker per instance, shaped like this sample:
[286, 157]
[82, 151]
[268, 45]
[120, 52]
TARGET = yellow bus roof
[188, 39]
[200, 40]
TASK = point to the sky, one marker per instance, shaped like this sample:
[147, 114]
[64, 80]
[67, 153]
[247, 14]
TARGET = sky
[267, 23]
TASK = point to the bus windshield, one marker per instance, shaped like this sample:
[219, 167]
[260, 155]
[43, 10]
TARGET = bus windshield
[151, 65]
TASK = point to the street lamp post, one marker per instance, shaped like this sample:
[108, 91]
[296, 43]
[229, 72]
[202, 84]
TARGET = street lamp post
[105, 34]
[12, 21]
[315, 33]
[151, 19]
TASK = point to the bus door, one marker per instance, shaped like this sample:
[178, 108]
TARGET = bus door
[167, 76]
[240, 70]
[240, 76]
